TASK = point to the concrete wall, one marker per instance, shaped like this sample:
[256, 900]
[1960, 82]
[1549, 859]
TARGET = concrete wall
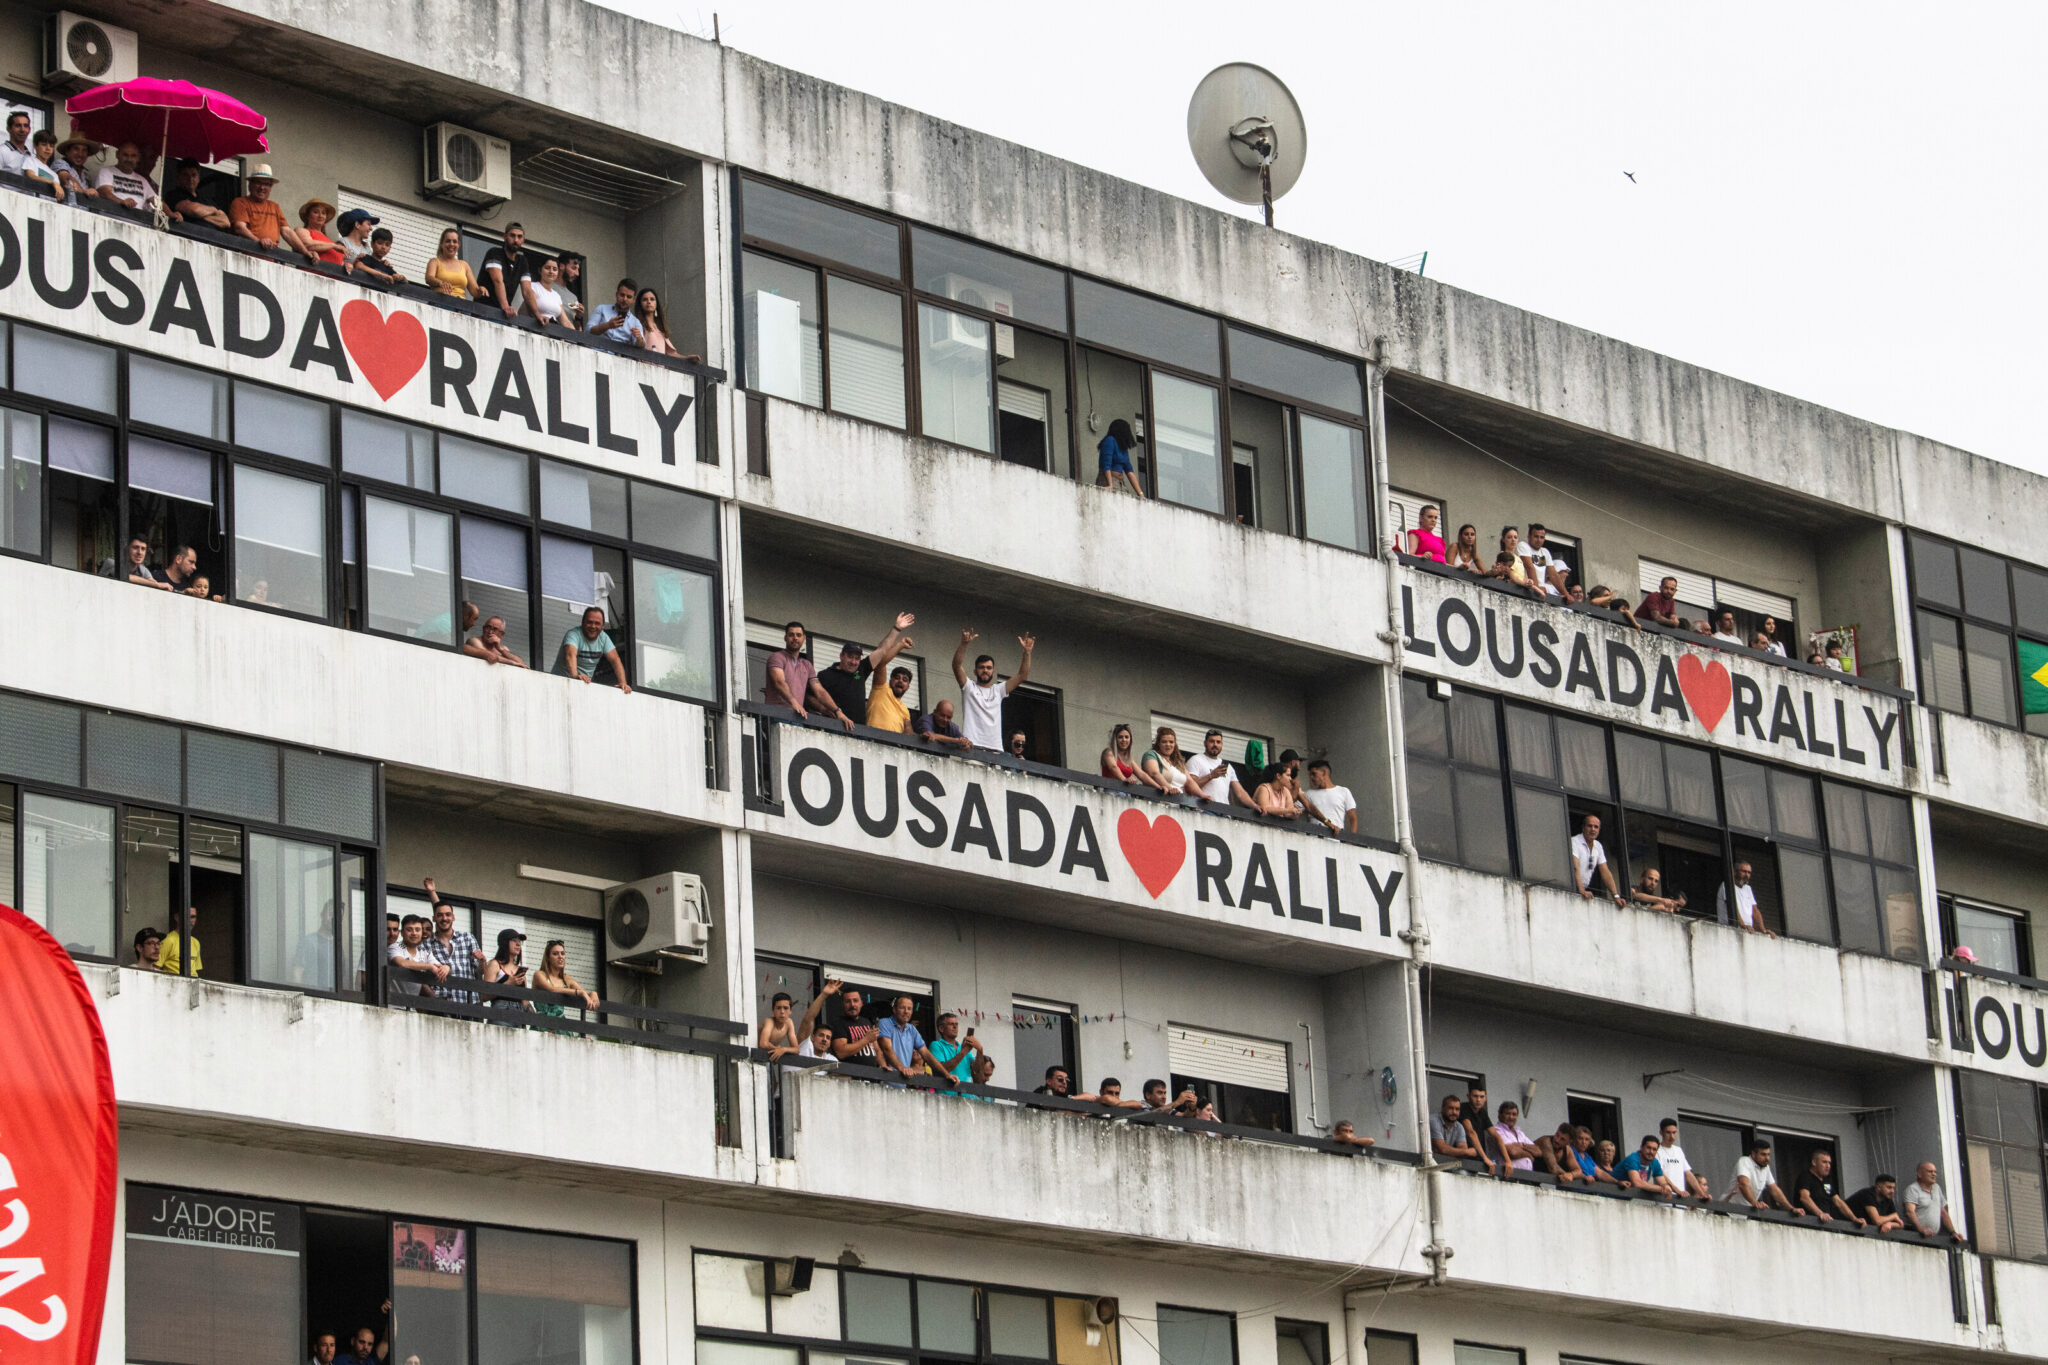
[981, 961]
[1856, 590]
[1970, 867]
[476, 856]
[1511, 1048]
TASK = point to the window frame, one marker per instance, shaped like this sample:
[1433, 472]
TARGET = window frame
[1963, 618]
[1948, 902]
[1227, 1314]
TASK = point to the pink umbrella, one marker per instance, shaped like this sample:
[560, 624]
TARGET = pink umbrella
[177, 118]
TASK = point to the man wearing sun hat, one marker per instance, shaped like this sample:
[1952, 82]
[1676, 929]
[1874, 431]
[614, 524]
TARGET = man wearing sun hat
[257, 217]
[72, 154]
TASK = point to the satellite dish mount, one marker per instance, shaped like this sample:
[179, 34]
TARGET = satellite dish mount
[1247, 134]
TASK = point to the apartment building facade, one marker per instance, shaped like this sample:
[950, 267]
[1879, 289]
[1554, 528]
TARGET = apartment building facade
[899, 344]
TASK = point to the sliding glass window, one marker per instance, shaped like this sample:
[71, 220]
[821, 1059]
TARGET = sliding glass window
[1980, 623]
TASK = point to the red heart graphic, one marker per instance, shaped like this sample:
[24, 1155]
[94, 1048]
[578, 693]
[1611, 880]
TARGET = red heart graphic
[1706, 687]
[387, 350]
[1155, 849]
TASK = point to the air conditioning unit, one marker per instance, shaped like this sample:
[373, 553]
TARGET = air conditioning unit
[79, 52]
[989, 298]
[663, 917]
[466, 166]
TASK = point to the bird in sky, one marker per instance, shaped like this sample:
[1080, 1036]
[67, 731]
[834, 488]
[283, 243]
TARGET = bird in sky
[1631, 176]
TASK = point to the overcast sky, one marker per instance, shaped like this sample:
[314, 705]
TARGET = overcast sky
[1843, 202]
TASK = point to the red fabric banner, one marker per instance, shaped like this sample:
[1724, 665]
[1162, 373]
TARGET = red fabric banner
[58, 1151]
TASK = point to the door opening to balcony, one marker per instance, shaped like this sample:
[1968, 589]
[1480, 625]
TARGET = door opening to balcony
[1044, 1036]
[1247, 1079]
[879, 991]
[346, 1279]
[1035, 712]
[1023, 424]
[1599, 1113]
[1714, 1145]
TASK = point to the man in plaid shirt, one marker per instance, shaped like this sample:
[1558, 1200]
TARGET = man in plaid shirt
[456, 949]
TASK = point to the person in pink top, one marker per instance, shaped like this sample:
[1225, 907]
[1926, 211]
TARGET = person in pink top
[1513, 1144]
[1425, 541]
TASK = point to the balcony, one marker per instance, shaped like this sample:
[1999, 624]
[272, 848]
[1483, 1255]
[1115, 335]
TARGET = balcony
[1631, 1261]
[887, 812]
[1993, 1020]
[1634, 958]
[254, 672]
[921, 497]
[1469, 631]
[1979, 766]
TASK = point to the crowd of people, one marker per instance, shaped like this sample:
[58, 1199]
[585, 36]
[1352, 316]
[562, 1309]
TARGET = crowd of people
[861, 687]
[894, 1044]
[1534, 567]
[1465, 1130]
[519, 282]
[1593, 877]
[429, 956]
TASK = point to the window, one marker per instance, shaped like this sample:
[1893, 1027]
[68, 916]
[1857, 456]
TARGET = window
[193, 1302]
[392, 451]
[1295, 372]
[1148, 327]
[1466, 1353]
[280, 542]
[2001, 1123]
[1186, 446]
[779, 327]
[1877, 887]
[1981, 630]
[70, 370]
[566, 1299]
[955, 380]
[67, 872]
[1390, 1348]
[1560, 776]
[179, 397]
[991, 281]
[1334, 484]
[282, 424]
[816, 228]
[1301, 1343]
[1996, 934]
[1193, 1336]
[494, 580]
[675, 640]
[867, 351]
[409, 582]
[1043, 1037]
[1705, 596]
[292, 918]
[1247, 1079]
[1599, 1113]
[1454, 789]
[21, 482]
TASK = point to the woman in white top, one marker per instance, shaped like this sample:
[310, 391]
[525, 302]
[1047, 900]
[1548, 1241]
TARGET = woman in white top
[544, 300]
[1165, 764]
[1769, 630]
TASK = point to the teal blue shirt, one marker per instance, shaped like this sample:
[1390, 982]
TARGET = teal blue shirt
[589, 653]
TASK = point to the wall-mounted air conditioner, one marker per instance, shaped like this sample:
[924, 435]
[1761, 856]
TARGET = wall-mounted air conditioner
[662, 917]
[989, 298]
[466, 166]
[79, 52]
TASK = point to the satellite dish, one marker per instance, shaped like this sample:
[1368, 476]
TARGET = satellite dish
[1247, 134]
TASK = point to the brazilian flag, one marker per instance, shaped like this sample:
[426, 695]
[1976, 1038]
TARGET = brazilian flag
[2033, 677]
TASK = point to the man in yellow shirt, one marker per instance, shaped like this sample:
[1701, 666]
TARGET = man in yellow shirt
[886, 710]
[170, 957]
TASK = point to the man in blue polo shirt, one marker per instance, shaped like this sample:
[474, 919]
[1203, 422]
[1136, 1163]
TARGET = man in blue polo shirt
[903, 1048]
[1642, 1171]
[586, 646]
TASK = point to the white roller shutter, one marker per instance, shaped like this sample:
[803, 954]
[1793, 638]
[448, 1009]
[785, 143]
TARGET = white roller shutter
[1709, 591]
[1692, 587]
[1750, 599]
[579, 944]
[1404, 513]
[1023, 400]
[1210, 1055]
[878, 981]
[825, 653]
[1190, 732]
[415, 236]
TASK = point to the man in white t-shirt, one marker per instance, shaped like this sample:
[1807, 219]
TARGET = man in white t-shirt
[1589, 857]
[1677, 1169]
[123, 182]
[1210, 776]
[1547, 569]
[1328, 802]
[16, 152]
[981, 697]
[1725, 630]
[1747, 916]
[1754, 1183]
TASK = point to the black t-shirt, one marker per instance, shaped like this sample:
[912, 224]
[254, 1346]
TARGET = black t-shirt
[1866, 1198]
[1481, 1120]
[862, 1031]
[849, 690]
[1822, 1188]
[516, 265]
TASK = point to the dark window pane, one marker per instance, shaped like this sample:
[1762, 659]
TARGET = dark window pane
[1980, 1103]
[1792, 809]
[21, 482]
[1803, 889]
[333, 795]
[1582, 748]
[1856, 906]
[2030, 600]
[125, 756]
[989, 280]
[1941, 662]
[945, 1318]
[1429, 807]
[1641, 764]
[1190, 1337]
[1424, 719]
[1017, 1326]
[1474, 737]
[820, 229]
[877, 1308]
[2019, 1120]
[231, 776]
[1482, 823]
[1147, 327]
[65, 368]
[1529, 743]
[671, 519]
[1989, 657]
[39, 740]
[379, 448]
[1746, 787]
[1691, 773]
[1934, 573]
[583, 498]
[1847, 832]
[1891, 828]
[1984, 589]
[1898, 907]
[1295, 371]
[1540, 832]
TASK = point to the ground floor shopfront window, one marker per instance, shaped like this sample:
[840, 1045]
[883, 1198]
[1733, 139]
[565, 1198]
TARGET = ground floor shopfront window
[221, 1279]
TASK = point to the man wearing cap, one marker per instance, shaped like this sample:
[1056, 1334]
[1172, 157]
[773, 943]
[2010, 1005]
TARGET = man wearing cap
[257, 217]
[353, 229]
[72, 154]
[845, 681]
[123, 182]
[16, 150]
[148, 943]
[505, 968]
[189, 202]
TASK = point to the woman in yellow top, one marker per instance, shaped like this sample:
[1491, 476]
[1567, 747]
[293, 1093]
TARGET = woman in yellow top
[1511, 565]
[448, 272]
